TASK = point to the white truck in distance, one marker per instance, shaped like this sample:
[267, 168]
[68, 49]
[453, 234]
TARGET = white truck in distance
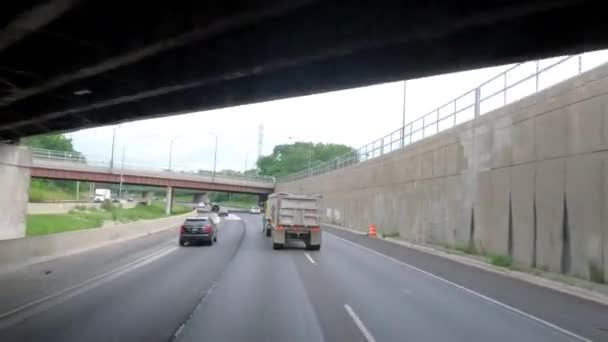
[102, 195]
[291, 216]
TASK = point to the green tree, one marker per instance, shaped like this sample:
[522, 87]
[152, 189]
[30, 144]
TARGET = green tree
[290, 158]
[57, 142]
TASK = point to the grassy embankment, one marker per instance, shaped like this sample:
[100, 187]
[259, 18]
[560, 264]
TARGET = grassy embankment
[41, 191]
[93, 218]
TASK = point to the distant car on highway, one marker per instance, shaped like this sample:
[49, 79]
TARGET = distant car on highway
[255, 210]
[197, 230]
[215, 208]
[202, 208]
[223, 212]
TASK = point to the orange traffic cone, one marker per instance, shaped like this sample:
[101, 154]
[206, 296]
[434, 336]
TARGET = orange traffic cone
[372, 231]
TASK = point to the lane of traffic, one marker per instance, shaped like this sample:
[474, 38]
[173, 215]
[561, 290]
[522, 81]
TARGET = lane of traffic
[148, 303]
[397, 303]
[581, 317]
[22, 286]
[259, 297]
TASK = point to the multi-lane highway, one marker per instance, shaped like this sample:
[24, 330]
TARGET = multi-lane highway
[353, 289]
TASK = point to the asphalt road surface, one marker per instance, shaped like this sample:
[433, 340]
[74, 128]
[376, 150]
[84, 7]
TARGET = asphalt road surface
[353, 289]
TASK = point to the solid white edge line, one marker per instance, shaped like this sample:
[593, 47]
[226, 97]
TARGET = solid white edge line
[359, 323]
[160, 252]
[310, 258]
[491, 300]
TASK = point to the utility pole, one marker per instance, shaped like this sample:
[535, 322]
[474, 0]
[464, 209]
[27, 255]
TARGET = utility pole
[171, 151]
[77, 189]
[260, 140]
[214, 154]
[112, 155]
[122, 170]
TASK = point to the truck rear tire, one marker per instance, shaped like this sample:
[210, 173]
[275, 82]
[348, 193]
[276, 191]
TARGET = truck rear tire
[268, 232]
[313, 247]
[277, 246]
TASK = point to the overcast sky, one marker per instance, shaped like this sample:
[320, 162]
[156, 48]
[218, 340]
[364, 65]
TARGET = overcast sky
[353, 117]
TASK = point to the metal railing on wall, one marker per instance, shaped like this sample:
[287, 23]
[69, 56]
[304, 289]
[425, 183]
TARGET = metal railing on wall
[79, 158]
[516, 82]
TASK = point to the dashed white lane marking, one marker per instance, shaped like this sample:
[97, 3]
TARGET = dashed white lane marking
[359, 323]
[491, 300]
[310, 258]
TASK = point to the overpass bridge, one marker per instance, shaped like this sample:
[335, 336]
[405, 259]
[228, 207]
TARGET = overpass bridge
[74, 166]
[19, 163]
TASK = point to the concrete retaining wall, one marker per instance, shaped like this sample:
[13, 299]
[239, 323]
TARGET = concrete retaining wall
[528, 180]
[16, 253]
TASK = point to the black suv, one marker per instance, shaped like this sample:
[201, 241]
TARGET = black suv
[198, 229]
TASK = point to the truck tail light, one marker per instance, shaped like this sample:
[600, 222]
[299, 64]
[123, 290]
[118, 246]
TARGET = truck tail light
[280, 227]
[316, 229]
[182, 229]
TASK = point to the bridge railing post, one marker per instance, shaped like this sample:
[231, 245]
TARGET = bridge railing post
[537, 76]
[477, 102]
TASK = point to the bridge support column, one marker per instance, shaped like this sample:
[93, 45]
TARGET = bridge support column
[169, 200]
[262, 198]
[148, 196]
[15, 162]
[202, 197]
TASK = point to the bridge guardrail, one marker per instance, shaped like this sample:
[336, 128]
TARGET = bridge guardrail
[79, 158]
[497, 92]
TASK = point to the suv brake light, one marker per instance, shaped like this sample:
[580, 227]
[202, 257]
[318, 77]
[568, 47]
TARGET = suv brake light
[207, 228]
[182, 229]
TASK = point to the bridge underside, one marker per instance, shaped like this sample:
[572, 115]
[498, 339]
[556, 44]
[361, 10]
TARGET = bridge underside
[74, 64]
[102, 177]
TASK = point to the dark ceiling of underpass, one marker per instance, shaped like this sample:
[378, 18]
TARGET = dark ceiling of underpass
[69, 64]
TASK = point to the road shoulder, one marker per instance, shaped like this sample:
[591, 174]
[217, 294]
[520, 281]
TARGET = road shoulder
[583, 289]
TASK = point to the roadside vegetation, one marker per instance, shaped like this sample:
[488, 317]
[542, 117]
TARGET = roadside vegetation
[291, 158]
[500, 260]
[49, 191]
[90, 217]
[45, 190]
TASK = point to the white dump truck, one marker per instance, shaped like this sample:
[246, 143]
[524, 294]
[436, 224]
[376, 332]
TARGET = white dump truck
[292, 216]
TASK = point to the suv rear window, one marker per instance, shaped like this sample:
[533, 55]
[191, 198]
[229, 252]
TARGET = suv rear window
[196, 223]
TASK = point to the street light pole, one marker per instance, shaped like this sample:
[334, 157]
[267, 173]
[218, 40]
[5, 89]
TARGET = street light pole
[113, 140]
[122, 171]
[214, 154]
[171, 151]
